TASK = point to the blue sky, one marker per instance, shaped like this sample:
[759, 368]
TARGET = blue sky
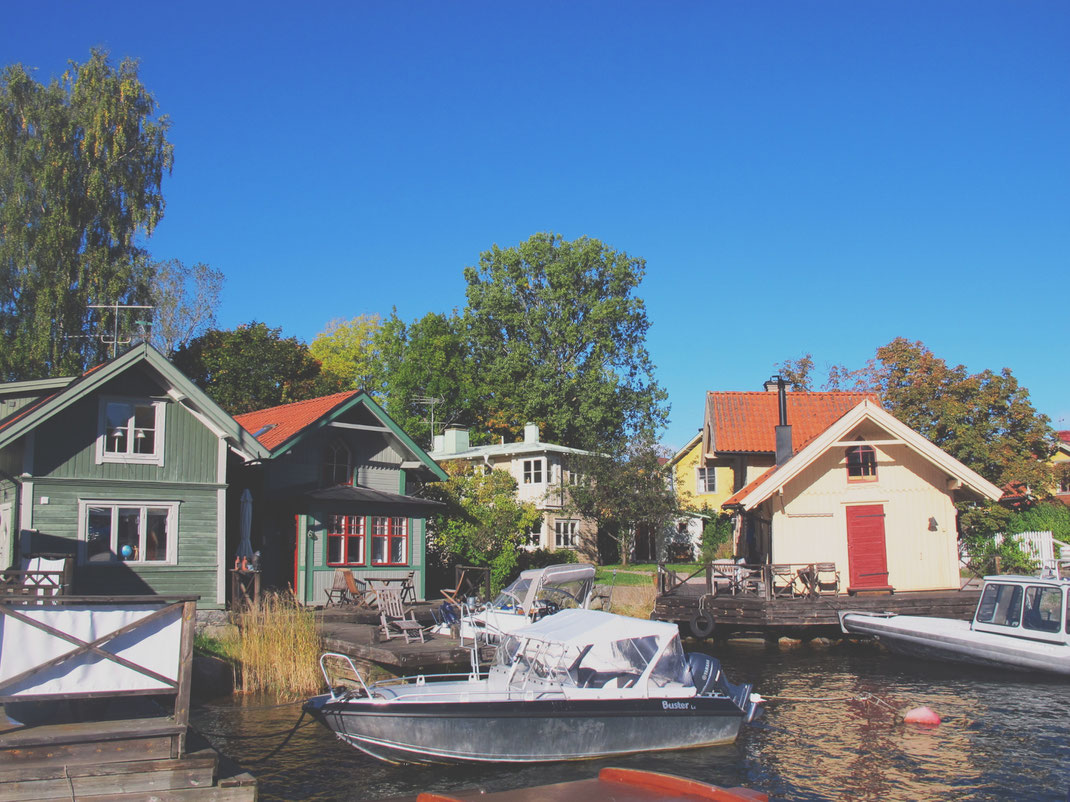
[799, 176]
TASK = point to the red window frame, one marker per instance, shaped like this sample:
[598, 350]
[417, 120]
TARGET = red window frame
[861, 464]
[386, 534]
[346, 534]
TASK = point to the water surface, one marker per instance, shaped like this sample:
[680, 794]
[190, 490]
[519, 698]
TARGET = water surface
[832, 729]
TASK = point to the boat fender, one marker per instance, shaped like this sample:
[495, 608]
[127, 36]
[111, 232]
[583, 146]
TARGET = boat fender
[701, 624]
[922, 715]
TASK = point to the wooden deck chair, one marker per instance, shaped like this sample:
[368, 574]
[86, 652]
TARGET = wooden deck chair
[395, 619]
[338, 592]
[408, 588]
[828, 578]
[357, 590]
[455, 595]
[782, 578]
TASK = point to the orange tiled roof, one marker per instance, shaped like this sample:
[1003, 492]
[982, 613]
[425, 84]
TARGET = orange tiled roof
[743, 491]
[747, 421]
[289, 419]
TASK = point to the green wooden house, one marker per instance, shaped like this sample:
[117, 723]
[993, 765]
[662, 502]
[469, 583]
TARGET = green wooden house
[124, 468]
[339, 490]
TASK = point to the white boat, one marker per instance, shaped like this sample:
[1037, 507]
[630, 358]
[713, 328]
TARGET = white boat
[1021, 623]
[534, 594]
[578, 684]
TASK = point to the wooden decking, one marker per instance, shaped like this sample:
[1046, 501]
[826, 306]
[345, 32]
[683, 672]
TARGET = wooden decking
[355, 632]
[804, 615]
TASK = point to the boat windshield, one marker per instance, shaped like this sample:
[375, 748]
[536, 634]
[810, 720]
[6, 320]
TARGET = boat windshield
[1001, 604]
[616, 663]
[513, 595]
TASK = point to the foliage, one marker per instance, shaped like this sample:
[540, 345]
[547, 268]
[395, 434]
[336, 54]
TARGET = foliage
[185, 298]
[81, 165]
[426, 359]
[348, 349]
[540, 558]
[624, 491]
[1041, 516]
[482, 523]
[253, 367]
[717, 536]
[558, 338]
[985, 420]
[799, 374]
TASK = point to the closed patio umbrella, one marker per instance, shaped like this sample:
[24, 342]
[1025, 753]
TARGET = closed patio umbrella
[245, 546]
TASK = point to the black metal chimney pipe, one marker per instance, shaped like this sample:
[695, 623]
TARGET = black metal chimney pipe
[783, 431]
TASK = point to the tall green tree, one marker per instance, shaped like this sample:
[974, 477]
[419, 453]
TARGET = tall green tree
[82, 160]
[482, 523]
[254, 367]
[558, 337]
[624, 491]
[427, 367]
[985, 420]
[349, 349]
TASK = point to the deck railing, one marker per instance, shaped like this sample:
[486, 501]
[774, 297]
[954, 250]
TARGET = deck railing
[764, 580]
[80, 647]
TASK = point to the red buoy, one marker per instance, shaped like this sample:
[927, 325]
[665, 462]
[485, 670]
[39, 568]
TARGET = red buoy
[922, 715]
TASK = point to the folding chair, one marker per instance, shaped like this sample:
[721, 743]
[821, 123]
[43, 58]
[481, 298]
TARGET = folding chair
[408, 588]
[828, 578]
[356, 589]
[783, 580]
[454, 595]
[338, 592]
[394, 616]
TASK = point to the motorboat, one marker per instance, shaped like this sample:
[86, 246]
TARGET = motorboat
[1021, 623]
[578, 684]
[536, 593]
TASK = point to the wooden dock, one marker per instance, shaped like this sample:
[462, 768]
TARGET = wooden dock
[690, 604]
[355, 632]
[83, 719]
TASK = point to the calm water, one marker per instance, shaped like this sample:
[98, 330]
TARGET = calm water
[1001, 738]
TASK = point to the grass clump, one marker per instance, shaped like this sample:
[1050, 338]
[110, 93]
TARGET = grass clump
[277, 648]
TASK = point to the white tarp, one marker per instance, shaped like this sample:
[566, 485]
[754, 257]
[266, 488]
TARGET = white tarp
[155, 646]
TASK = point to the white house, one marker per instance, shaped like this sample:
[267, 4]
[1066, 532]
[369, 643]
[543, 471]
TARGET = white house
[542, 476]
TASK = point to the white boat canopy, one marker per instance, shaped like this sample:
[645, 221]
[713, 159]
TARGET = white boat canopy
[577, 627]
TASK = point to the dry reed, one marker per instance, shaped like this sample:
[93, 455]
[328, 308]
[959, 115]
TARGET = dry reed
[278, 648]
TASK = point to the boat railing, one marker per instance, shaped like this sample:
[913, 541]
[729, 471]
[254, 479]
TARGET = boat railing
[329, 678]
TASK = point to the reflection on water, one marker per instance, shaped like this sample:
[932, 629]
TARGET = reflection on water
[1002, 738]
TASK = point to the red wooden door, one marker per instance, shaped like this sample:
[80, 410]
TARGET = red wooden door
[867, 556]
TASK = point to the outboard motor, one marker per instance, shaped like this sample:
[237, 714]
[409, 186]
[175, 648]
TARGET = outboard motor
[705, 672]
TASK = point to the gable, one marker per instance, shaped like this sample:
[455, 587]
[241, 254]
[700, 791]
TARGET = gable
[876, 426]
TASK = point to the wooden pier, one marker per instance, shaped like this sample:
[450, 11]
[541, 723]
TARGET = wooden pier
[706, 607]
[82, 680]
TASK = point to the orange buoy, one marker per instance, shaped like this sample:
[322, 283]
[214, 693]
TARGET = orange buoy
[922, 715]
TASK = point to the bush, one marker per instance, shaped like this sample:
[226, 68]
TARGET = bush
[540, 558]
[717, 537]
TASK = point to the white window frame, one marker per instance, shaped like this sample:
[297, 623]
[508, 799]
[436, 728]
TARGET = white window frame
[705, 480]
[533, 537]
[570, 535]
[531, 468]
[128, 457]
[115, 504]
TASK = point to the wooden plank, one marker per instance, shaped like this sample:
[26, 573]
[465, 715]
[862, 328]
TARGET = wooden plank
[88, 731]
[185, 672]
[50, 770]
[87, 781]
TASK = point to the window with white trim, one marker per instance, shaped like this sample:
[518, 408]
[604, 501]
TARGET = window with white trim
[130, 430]
[533, 537]
[705, 480]
[533, 472]
[565, 534]
[137, 533]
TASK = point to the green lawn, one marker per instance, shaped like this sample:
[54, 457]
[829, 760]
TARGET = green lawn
[641, 574]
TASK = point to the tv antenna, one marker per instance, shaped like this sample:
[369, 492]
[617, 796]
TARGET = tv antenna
[115, 340]
[429, 401]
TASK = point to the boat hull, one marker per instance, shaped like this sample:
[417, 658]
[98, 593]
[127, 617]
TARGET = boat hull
[527, 731]
[954, 641]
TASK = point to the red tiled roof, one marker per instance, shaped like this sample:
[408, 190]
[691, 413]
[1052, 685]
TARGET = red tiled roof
[747, 421]
[289, 419]
[739, 494]
[1064, 435]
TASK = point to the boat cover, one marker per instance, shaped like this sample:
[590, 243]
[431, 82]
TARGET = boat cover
[578, 627]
